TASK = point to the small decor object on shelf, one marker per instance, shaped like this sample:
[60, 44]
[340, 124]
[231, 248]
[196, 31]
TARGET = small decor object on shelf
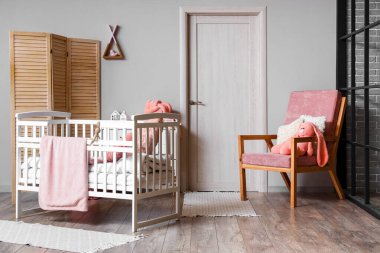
[115, 115]
[113, 50]
[123, 116]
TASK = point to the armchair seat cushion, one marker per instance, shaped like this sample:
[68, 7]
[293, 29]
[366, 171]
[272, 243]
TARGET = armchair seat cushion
[276, 160]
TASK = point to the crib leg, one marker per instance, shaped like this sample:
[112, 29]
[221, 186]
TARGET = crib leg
[134, 215]
[177, 204]
[18, 204]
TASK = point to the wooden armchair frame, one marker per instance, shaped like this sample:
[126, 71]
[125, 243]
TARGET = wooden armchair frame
[294, 169]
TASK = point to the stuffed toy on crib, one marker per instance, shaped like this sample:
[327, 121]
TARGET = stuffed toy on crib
[306, 129]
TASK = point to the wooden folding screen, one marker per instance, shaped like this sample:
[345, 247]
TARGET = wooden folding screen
[52, 72]
[60, 87]
[83, 75]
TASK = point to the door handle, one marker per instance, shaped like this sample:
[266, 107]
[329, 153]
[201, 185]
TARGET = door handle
[196, 102]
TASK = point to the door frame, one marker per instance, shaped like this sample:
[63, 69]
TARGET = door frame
[260, 86]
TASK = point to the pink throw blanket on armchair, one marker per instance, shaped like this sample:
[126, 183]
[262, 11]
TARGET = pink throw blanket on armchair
[63, 174]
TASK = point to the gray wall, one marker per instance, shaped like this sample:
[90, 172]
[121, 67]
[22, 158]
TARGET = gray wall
[301, 53]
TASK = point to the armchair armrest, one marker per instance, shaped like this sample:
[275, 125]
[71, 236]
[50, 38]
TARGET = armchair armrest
[313, 139]
[266, 137]
[304, 139]
[257, 137]
[296, 140]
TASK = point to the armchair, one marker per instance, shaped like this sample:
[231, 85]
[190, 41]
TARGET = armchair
[328, 103]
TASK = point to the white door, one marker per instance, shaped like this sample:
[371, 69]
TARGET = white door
[223, 57]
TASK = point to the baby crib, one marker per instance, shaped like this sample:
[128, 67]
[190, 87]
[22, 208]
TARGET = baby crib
[129, 169]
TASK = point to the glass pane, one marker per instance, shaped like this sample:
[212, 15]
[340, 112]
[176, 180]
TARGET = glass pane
[348, 117]
[374, 117]
[348, 164]
[374, 55]
[359, 109]
[348, 44]
[359, 14]
[359, 59]
[374, 10]
[374, 177]
[349, 16]
[360, 172]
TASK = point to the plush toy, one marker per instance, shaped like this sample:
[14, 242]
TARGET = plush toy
[306, 129]
[157, 106]
[152, 106]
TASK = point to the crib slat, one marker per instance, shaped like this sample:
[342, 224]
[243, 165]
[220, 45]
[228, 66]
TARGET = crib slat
[177, 158]
[114, 172]
[84, 130]
[172, 155]
[166, 156]
[105, 171]
[114, 134]
[160, 154]
[26, 168]
[75, 130]
[34, 167]
[124, 190]
[18, 165]
[107, 134]
[62, 130]
[154, 160]
[146, 161]
[25, 131]
[92, 130]
[67, 130]
[34, 131]
[124, 134]
[140, 157]
[95, 157]
[55, 130]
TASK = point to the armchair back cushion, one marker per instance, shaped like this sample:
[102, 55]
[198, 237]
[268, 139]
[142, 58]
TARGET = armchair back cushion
[315, 103]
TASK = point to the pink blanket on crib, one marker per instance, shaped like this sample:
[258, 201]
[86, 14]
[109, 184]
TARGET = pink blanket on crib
[64, 174]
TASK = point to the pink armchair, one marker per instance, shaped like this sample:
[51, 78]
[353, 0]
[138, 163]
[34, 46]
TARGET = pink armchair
[328, 103]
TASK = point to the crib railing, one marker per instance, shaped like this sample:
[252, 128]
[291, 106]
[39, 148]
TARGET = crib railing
[162, 158]
[143, 152]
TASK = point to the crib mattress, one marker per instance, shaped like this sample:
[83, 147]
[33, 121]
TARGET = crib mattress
[100, 177]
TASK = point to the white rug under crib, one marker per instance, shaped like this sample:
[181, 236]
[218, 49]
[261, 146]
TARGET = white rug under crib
[216, 204]
[60, 238]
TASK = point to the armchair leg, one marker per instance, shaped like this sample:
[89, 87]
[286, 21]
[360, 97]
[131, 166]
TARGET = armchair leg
[286, 179]
[243, 188]
[335, 181]
[293, 189]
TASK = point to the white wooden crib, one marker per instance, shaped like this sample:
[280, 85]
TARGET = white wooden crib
[141, 172]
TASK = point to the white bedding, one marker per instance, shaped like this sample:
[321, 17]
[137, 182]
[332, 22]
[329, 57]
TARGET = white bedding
[148, 162]
[110, 176]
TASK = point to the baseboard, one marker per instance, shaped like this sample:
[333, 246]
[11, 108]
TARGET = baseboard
[302, 189]
[5, 188]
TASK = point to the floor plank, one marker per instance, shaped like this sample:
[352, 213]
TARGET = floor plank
[203, 235]
[281, 235]
[320, 223]
[178, 236]
[156, 233]
[229, 236]
[255, 236]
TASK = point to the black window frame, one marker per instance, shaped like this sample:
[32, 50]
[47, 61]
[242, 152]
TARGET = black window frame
[342, 84]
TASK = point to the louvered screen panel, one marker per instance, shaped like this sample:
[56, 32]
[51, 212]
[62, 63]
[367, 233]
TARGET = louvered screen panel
[30, 54]
[83, 77]
[59, 68]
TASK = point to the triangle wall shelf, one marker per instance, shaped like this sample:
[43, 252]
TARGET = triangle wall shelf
[113, 50]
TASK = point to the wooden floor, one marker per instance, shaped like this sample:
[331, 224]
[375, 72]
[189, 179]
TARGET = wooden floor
[321, 223]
